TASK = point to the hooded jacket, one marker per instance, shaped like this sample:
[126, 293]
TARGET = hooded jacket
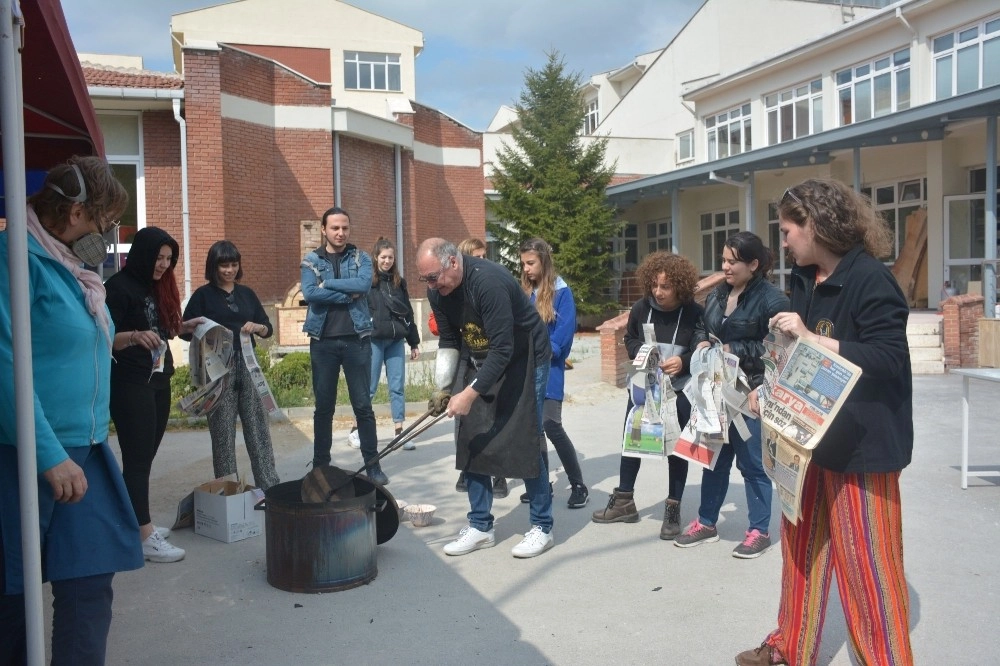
[561, 332]
[130, 300]
[392, 314]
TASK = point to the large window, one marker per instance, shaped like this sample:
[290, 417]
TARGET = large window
[716, 227]
[728, 133]
[371, 71]
[895, 202]
[967, 59]
[685, 146]
[122, 132]
[874, 88]
[593, 117]
[794, 112]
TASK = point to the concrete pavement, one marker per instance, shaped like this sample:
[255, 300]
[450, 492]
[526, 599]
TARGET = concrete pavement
[606, 594]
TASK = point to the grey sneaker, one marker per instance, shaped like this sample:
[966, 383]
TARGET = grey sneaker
[696, 534]
[578, 497]
[753, 545]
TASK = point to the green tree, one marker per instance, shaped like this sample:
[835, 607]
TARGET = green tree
[551, 184]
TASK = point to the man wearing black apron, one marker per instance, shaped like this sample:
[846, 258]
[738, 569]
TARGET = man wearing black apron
[480, 309]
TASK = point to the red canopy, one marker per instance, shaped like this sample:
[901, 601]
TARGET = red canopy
[59, 118]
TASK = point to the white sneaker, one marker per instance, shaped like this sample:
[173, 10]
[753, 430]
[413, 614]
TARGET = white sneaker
[354, 439]
[470, 539]
[164, 532]
[534, 543]
[157, 549]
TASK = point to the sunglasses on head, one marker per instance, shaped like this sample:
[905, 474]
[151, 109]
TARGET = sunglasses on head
[791, 195]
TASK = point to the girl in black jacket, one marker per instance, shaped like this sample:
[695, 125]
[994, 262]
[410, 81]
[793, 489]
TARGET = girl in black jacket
[146, 309]
[845, 299]
[392, 318]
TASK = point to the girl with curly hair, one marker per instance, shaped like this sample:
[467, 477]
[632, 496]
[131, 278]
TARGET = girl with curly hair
[668, 283]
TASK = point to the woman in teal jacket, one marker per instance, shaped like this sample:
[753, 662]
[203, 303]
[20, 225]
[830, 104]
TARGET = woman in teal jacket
[88, 529]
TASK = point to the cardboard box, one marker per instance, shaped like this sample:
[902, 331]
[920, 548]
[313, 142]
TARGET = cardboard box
[224, 510]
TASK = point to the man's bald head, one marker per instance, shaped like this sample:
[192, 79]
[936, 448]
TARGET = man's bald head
[439, 264]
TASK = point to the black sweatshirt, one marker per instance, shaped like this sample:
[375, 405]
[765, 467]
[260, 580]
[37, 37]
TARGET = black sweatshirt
[211, 301]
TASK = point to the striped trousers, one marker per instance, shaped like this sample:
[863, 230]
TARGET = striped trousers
[241, 398]
[851, 525]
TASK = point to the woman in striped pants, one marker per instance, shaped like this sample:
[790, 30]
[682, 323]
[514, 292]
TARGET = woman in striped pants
[846, 300]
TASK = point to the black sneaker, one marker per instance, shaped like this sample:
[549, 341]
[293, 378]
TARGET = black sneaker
[578, 497]
[460, 486]
[376, 474]
[500, 489]
[526, 499]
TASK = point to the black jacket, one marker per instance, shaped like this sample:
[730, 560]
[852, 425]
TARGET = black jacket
[392, 314]
[745, 329]
[862, 306]
[211, 302]
[130, 301]
[690, 331]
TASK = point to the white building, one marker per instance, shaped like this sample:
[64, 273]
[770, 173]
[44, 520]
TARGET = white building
[751, 97]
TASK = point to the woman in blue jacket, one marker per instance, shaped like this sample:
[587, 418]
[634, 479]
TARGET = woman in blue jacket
[87, 527]
[554, 301]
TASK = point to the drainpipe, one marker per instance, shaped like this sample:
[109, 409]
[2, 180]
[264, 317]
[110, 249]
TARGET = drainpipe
[185, 212]
[397, 153]
[747, 196]
[675, 220]
[336, 169]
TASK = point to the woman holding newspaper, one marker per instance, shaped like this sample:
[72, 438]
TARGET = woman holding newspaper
[233, 305]
[847, 301]
[668, 282]
[146, 309]
[737, 313]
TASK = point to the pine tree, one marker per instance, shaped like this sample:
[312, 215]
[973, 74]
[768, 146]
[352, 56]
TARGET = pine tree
[551, 184]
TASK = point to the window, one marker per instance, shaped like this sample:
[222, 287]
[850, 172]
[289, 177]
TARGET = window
[782, 262]
[371, 71]
[977, 180]
[685, 146]
[659, 236]
[895, 202]
[626, 248]
[716, 227]
[874, 88]
[794, 112]
[592, 119]
[728, 133]
[967, 59]
[123, 147]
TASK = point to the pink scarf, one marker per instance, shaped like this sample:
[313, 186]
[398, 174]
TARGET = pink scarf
[90, 282]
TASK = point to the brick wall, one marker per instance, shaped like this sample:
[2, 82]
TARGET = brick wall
[614, 356]
[961, 330]
[161, 136]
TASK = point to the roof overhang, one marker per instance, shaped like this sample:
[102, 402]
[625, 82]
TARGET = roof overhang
[351, 122]
[923, 123]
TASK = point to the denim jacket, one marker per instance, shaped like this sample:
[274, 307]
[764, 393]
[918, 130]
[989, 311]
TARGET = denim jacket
[321, 289]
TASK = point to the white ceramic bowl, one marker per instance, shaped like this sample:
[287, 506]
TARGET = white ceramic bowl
[420, 514]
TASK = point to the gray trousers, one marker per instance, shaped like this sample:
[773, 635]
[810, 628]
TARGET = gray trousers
[240, 398]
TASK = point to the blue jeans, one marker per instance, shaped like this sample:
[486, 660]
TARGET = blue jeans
[481, 486]
[393, 354]
[749, 460]
[328, 356]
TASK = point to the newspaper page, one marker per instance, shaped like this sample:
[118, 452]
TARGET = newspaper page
[805, 385]
[651, 425]
[209, 356]
[257, 375]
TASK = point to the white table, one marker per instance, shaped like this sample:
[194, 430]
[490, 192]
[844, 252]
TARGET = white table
[986, 375]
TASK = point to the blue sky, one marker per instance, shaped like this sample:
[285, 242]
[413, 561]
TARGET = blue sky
[475, 51]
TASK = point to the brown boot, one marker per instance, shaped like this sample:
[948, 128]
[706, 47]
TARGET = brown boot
[671, 520]
[620, 509]
[765, 655]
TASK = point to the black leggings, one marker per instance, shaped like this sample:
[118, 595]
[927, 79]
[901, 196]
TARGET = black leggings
[140, 414]
[677, 468]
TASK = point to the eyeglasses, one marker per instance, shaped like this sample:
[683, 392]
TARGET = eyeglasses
[231, 302]
[430, 279]
[789, 193]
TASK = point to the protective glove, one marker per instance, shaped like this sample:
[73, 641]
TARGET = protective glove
[438, 403]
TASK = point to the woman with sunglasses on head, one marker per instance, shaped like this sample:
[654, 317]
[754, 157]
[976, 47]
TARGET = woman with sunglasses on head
[737, 313]
[668, 284]
[233, 305]
[392, 317]
[87, 527]
[554, 301]
[146, 308]
[846, 300]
